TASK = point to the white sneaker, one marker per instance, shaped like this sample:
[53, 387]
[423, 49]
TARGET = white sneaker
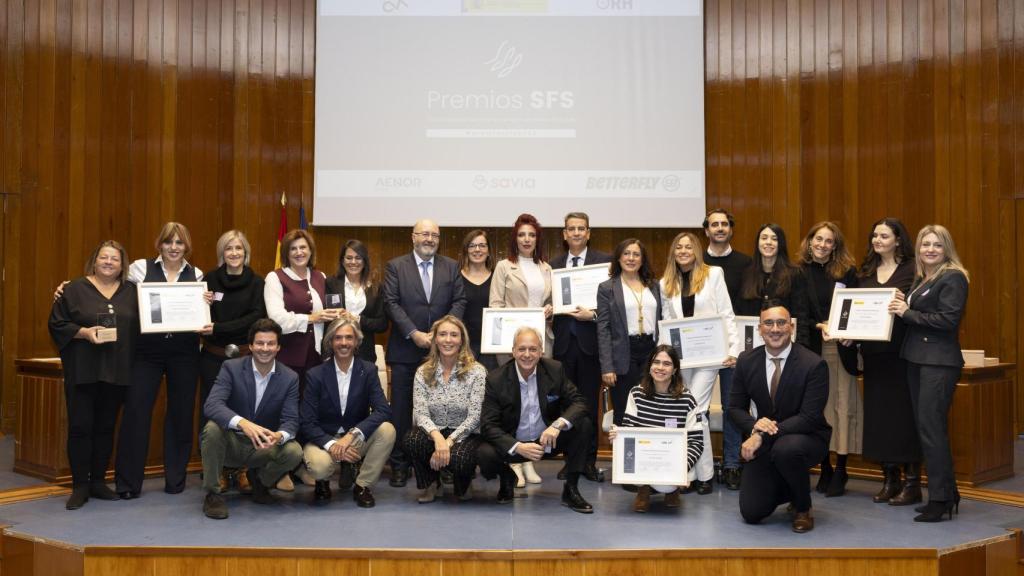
[531, 475]
[518, 469]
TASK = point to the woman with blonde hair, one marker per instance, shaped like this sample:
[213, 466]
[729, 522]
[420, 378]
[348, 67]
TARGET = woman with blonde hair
[448, 393]
[689, 287]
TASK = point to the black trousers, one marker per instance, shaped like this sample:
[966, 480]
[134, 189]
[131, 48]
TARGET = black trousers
[401, 411]
[584, 370]
[931, 394]
[779, 474]
[92, 417]
[419, 446]
[639, 350]
[181, 366]
[573, 443]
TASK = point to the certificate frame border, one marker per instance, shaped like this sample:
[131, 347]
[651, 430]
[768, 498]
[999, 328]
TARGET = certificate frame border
[833, 315]
[635, 478]
[556, 292]
[146, 326]
[742, 321]
[486, 323]
[665, 325]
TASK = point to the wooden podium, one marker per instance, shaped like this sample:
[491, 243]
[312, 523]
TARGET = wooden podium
[42, 431]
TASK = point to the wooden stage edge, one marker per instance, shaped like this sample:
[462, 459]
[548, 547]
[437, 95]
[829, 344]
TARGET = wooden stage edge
[25, 554]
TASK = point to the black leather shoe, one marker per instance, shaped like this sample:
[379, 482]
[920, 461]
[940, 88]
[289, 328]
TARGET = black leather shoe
[322, 492]
[562, 471]
[101, 491]
[571, 497]
[732, 478]
[363, 496]
[590, 472]
[347, 476]
[128, 494]
[215, 507]
[260, 493]
[507, 487]
[398, 478]
[704, 487]
[79, 496]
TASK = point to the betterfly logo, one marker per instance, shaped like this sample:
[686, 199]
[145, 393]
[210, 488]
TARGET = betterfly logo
[505, 60]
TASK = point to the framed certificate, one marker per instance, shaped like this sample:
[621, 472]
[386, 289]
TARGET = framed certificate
[861, 314]
[750, 337]
[649, 456]
[572, 287]
[500, 325]
[701, 341]
[172, 306]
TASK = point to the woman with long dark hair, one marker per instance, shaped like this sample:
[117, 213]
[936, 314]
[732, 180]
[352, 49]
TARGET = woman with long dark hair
[354, 290]
[771, 276]
[476, 266]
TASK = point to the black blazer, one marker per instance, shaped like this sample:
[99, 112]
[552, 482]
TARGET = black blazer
[234, 393]
[499, 417]
[586, 332]
[372, 321]
[320, 412]
[933, 320]
[612, 332]
[406, 303]
[799, 406]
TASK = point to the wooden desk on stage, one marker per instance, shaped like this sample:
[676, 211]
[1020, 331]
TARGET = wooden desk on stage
[42, 431]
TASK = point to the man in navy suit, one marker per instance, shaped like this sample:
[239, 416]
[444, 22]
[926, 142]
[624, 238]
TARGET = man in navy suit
[419, 288]
[254, 416]
[788, 384]
[344, 417]
[576, 332]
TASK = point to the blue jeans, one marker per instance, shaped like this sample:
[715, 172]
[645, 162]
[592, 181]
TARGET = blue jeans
[731, 438]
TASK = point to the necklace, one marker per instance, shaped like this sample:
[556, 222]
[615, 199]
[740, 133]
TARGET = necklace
[639, 297]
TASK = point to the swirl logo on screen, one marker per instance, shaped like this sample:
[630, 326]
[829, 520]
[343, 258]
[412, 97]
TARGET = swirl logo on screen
[505, 60]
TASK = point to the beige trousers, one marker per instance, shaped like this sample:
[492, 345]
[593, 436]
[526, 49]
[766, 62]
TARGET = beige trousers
[373, 454]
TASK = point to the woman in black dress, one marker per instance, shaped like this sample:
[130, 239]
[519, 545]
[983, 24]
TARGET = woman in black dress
[354, 290]
[476, 264]
[96, 368]
[771, 276]
[890, 435]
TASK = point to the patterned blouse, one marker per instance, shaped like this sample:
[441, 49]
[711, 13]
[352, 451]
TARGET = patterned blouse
[454, 403]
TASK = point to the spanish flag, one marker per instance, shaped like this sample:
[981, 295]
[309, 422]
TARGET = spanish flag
[281, 231]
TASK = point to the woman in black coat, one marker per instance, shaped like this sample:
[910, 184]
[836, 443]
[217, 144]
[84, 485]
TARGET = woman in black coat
[771, 276]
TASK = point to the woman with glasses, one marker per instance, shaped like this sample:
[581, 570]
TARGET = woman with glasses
[353, 290]
[476, 264]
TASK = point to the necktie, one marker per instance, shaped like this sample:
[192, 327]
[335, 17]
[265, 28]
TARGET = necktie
[575, 261]
[426, 278]
[775, 378]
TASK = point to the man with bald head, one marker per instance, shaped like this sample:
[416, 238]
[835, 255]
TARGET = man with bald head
[419, 288]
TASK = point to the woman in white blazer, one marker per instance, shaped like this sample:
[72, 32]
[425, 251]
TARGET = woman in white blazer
[690, 287]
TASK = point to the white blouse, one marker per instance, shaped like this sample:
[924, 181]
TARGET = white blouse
[534, 281]
[650, 308]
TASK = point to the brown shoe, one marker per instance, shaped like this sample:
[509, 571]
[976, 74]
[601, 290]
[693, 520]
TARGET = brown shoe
[672, 499]
[224, 482]
[642, 502]
[803, 522]
[242, 481]
[363, 496]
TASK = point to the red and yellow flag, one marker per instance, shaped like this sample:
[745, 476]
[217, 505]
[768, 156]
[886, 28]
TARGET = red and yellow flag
[281, 231]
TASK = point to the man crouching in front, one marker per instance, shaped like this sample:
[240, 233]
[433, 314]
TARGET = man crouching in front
[254, 415]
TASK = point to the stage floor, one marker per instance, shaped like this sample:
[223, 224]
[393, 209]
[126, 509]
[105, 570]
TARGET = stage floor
[537, 522]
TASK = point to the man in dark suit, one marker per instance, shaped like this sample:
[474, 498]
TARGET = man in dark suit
[576, 332]
[789, 386]
[254, 415]
[344, 417]
[419, 288]
[531, 408]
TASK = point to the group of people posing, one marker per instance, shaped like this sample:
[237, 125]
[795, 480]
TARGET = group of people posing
[289, 385]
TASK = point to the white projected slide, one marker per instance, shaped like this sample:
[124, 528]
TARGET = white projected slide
[473, 111]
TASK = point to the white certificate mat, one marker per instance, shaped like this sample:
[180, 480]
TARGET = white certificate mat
[700, 340]
[750, 337]
[861, 314]
[649, 456]
[572, 287]
[500, 325]
[172, 307]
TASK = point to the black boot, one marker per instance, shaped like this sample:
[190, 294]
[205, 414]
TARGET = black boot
[507, 487]
[826, 475]
[890, 483]
[79, 496]
[910, 493]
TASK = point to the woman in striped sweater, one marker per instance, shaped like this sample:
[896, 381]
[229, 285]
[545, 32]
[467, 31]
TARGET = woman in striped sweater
[662, 401]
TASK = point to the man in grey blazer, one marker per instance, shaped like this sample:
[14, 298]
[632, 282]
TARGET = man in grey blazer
[254, 416]
[419, 288]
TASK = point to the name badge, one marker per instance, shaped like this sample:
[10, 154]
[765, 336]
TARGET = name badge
[218, 296]
[671, 423]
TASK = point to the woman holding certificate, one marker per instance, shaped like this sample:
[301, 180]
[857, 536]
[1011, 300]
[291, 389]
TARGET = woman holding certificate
[628, 311]
[476, 264]
[447, 395]
[95, 326]
[932, 311]
[692, 288]
[174, 355]
[890, 434]
[357, 294]
[662, 401]
[770, 276]
[827, 265]
[523, 280]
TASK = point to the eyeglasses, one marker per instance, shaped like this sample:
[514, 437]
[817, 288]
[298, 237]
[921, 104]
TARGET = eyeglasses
[769, 323]
[427, 235]
[477, 246]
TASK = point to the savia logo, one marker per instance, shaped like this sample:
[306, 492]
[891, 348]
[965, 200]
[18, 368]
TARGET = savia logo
[505, 60]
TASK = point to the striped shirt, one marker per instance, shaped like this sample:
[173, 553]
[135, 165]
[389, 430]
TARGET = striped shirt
[658, 410]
